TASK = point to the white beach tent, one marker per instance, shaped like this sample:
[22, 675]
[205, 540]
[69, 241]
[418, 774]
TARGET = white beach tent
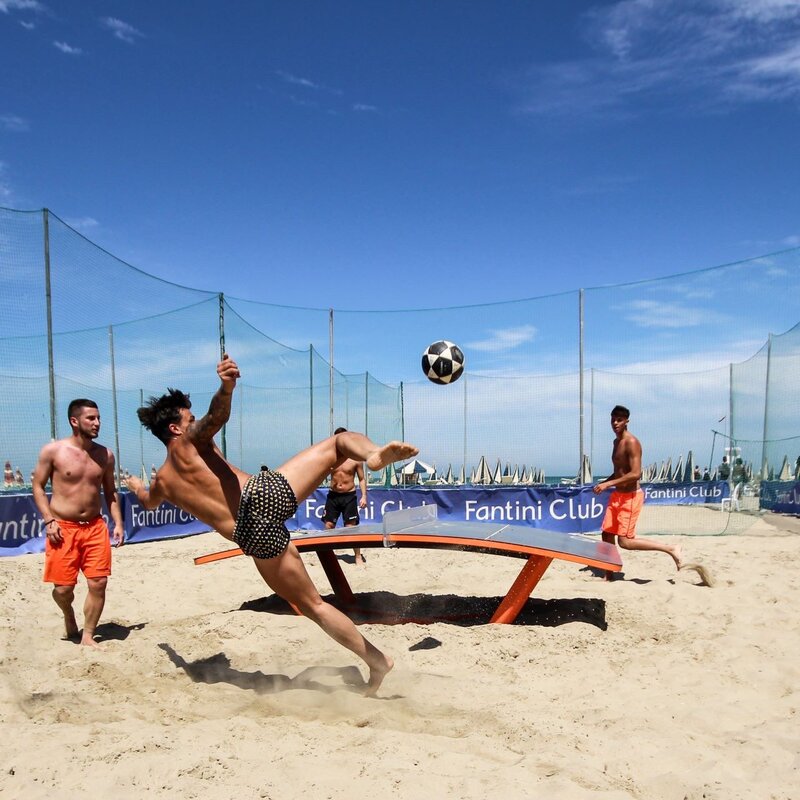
[482, 475]
[786, 471]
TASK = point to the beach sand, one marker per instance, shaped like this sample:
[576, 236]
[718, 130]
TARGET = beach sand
[651, 686]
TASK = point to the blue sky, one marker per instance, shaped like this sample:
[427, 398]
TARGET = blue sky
[384, 156]
[342, 154]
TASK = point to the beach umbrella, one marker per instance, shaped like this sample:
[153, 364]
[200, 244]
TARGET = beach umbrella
[498, 473]
[462, 476]
[448, 478]
[677, 473]
[688, 473]
[482, 475]
[523, 478]
[585, 475]
[416, 467]
[515, 476]
[786, 472]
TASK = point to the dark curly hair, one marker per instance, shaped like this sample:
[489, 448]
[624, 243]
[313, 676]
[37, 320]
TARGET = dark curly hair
[161, 412]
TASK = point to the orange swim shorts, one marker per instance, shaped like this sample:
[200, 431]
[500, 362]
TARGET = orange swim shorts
[86, 547]
[622, 513]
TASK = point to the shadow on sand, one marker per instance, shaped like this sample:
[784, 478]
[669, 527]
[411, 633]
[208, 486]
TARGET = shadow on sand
[218, 669]
[386, 608]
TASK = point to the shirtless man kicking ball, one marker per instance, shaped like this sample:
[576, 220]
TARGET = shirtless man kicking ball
[251, 510]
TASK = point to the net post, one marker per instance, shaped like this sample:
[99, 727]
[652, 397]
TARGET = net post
[311, 393]
[49, 309]
[221, 296]
[766, 407]
[402, 414]
[580, 379]
[330, 372]
[141, 430]
[114, 403]
[366, 403]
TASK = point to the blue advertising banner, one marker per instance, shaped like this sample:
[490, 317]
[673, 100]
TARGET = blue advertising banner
[572, 509]
[680, 494]
[569, 510]
[22, 531]
[781, 496]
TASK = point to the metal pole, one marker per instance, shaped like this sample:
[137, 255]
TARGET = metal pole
[580, 377]
[402, 415]
[465, 423]
[766, 405]
[366, 403]
[311, 391]
[330, 390]
[221, 354]
[114, 399]
[141, 432]
[591, 419]
[730, 423]
[49, 308]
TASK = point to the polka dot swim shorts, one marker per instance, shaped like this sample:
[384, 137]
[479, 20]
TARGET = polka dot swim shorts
[267, 502]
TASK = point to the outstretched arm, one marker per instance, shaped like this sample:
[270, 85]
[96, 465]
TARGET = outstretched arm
[219, 410]
[150, 498]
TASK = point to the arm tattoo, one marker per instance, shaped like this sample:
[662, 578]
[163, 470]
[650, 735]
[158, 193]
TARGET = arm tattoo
[219, 411]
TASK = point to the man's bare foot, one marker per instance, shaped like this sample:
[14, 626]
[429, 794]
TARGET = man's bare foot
[359, 559]
[88, 641]
[377, 673]
[72, 632]
[389, 453]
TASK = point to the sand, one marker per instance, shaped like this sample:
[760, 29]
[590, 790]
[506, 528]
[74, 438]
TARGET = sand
[651, 686]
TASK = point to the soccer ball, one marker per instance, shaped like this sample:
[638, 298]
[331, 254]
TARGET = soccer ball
[443, 362]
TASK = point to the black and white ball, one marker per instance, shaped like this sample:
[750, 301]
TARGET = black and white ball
[443, 362]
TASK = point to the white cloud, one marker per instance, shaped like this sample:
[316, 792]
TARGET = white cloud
[121, 30]
[5, 188]
[29, 26]
[364, 107]
[82, 223]
[68, 49]
[11, 122]
[709, 54]
[504, 339]
[7, 6]
[294, 79]
[658, 314]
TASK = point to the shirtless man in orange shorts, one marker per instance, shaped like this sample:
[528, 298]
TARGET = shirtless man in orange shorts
[251, 510]
[625, 503]
[77, 536]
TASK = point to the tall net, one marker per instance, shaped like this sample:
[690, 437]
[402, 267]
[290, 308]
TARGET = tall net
[699, 358]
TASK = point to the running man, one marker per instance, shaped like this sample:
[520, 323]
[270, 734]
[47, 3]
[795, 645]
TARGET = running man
[251, 509]
[77, 535]
[341, 499]
[625, 503]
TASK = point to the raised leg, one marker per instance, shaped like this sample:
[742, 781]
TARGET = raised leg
[306, 470]
[286, 574]
[648, 544]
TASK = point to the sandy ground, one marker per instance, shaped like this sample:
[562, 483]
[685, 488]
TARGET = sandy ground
[651, 686]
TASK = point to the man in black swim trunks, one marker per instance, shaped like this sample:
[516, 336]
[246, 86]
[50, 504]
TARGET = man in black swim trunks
[252, 509]
[341, 499]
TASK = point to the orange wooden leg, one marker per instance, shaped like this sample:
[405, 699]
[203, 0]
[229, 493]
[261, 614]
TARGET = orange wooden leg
[333, 569]
[521, 589]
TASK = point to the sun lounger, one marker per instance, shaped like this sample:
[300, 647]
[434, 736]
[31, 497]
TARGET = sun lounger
[419, 527]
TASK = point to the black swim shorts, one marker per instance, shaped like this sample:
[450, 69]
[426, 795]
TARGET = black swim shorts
[343, 503]
[267, 502]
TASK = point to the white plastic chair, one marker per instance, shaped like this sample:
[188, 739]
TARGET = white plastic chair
[733, 500]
